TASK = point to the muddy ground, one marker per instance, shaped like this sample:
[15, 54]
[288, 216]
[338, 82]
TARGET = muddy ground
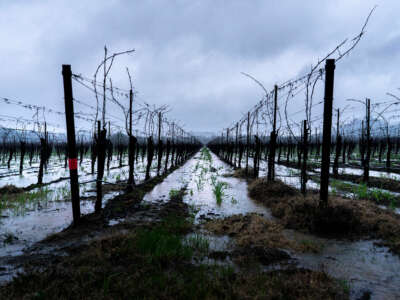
[185, 245]
[154, 259]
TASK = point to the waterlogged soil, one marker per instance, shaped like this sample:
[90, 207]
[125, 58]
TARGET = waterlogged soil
[383, 180]
[56, 170]
[201, 176]
[30, 221]
[361, 266]
[365, 267]
[238, 228]
[380, 181]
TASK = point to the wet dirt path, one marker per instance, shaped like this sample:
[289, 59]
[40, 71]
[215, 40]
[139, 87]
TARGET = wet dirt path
[360, 265]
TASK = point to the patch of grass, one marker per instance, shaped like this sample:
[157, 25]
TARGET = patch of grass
[196, 167]
[361, 191]
[393, 204]
[20, 203]
[233, 200]
[340, 185]
[213, 179]
[63, 192]
[311, 246]
[199, 183]
[174, 193]
[345, 285]
[218, 190]
[205, 154]
[382, 196]
[160, 246]
[199, 243]
[157, 266]
[177, 224]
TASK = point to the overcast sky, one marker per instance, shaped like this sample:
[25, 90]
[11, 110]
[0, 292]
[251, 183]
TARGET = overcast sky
[189, 54]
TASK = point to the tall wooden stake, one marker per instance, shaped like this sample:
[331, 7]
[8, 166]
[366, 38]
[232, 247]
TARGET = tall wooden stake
[248, 143]
[72, 154]
[131, 146]
[305, 157]
[368, 152]
[338, 147]
[236, 144]
[326, 138]
[159, 146]
[272, 142]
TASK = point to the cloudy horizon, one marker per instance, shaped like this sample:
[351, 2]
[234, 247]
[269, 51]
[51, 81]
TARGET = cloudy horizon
[189, 55]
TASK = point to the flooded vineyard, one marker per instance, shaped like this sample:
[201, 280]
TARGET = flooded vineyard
[224, 219]
[228, 151]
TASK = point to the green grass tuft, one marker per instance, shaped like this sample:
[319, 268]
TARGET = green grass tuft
[218, 191]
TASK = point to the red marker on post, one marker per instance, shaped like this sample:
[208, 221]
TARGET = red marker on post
[71, 143]
[73, 163]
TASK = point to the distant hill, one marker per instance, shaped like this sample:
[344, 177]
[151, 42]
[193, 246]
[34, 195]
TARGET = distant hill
[203, 136]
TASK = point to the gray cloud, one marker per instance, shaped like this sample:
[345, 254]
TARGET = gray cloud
[189, 54]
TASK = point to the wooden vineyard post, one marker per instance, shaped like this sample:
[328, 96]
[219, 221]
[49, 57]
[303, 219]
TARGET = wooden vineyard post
[389, 149]
[131, 146]
[272, 142]
[159, 146]
[72, 154]
[172, 145]
[368, 152]
[99, 190]
[305, 157]
[236, 145]
[227, 152]
[247, 143]
[326, 135]
[101, 144]
[338, 147]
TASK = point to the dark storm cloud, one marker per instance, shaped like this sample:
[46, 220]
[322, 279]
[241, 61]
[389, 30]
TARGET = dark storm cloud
[189, 54]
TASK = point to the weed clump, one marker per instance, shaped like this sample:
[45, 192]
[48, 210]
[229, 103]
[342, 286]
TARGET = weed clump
[10, 189]
[264, 191]
[160, 246]
[241, 173]
[266, 256]
[250, 230]
[205, 154]
[174, 194]
[218, 190]
[344, 218]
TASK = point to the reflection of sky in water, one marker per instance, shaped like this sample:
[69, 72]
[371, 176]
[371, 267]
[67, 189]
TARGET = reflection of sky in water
[360, 263]
[200, 188]
[363, 265]
[36, 220]
[56, 170]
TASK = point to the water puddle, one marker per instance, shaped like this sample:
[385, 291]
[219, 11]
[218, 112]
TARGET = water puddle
[360, 264]
[50, 211]
[201, 177]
